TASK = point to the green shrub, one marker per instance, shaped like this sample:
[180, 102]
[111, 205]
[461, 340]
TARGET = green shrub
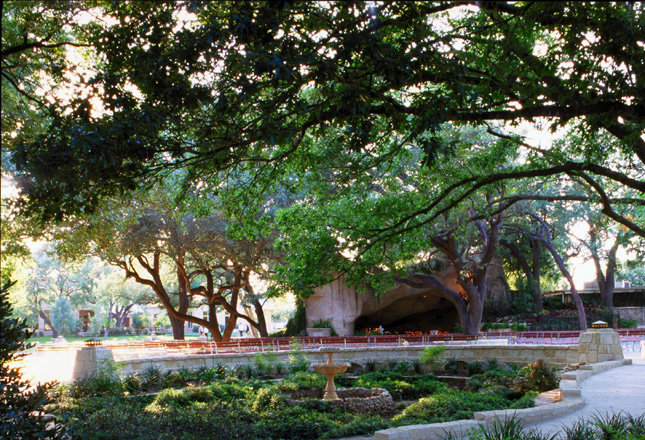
[507, 429]
[131, 383]
[268, 399]
[141, 321]
[355, 426]
[208, 375]
[612, 425]
[297, 361]
[402, 387]
[451, 405]
[538, 377]
[404, 367]
[263, 363]
[324, 323]
[297, 324]
[453, 366]
[637, 425]
[229, 390]
[600, 427]
[370, 365]
[123, 420]
[475, 367]
[151, 377]
[294, 423]
[431, 355]
[306, 381]
[492, 364]
[627, 323]
[249, 371]
[580, 430]
[105, 382]
[492, 378]
[171, 398]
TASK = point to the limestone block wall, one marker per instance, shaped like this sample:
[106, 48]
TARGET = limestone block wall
[637, 313]
[596, 345]
[87, 360]
[599, 345]
[553, 355]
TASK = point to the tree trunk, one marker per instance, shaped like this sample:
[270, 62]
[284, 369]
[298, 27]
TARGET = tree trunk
[235, 293]
[48, 321]
[262, 323]
[529, 272]
[545, 239]
[121, 314]
[212, 318]
[606, 282]
[476, 295]
[582, 317]
[178, 330]
[537, 289]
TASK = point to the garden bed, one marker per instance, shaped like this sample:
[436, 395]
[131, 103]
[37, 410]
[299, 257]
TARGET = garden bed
[216, 403]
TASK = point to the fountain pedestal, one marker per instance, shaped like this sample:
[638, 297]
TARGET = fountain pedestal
[330, 369]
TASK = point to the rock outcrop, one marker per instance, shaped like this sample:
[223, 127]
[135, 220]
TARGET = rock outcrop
[401, 309]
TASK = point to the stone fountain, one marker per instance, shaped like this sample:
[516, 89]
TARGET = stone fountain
[330, 369]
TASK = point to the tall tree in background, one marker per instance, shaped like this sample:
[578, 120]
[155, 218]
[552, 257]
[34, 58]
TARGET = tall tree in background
[185, 260]
[120, 295]
[371, 230]
[539, 230]
[602, 242]
[531, 266]
[47, 281]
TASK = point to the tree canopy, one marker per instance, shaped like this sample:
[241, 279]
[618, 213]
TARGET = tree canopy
[280, 86]
[405, 128]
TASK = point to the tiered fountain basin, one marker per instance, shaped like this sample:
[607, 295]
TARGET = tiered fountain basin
[330, 369]
[352, 400]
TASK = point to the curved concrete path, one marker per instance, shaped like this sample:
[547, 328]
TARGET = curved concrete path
[613, 391]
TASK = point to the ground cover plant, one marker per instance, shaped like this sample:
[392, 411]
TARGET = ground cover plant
[620, 426]
[221, 403]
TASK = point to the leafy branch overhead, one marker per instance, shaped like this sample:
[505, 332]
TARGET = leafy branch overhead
[341, 90]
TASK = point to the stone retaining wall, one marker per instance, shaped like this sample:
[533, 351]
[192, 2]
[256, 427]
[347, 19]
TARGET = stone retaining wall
[596, 345]
[636, 313]
[553, 355]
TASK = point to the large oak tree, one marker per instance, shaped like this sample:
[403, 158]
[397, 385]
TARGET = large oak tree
[211, 86]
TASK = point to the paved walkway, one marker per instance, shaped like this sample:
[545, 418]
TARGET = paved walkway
[616, 390]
